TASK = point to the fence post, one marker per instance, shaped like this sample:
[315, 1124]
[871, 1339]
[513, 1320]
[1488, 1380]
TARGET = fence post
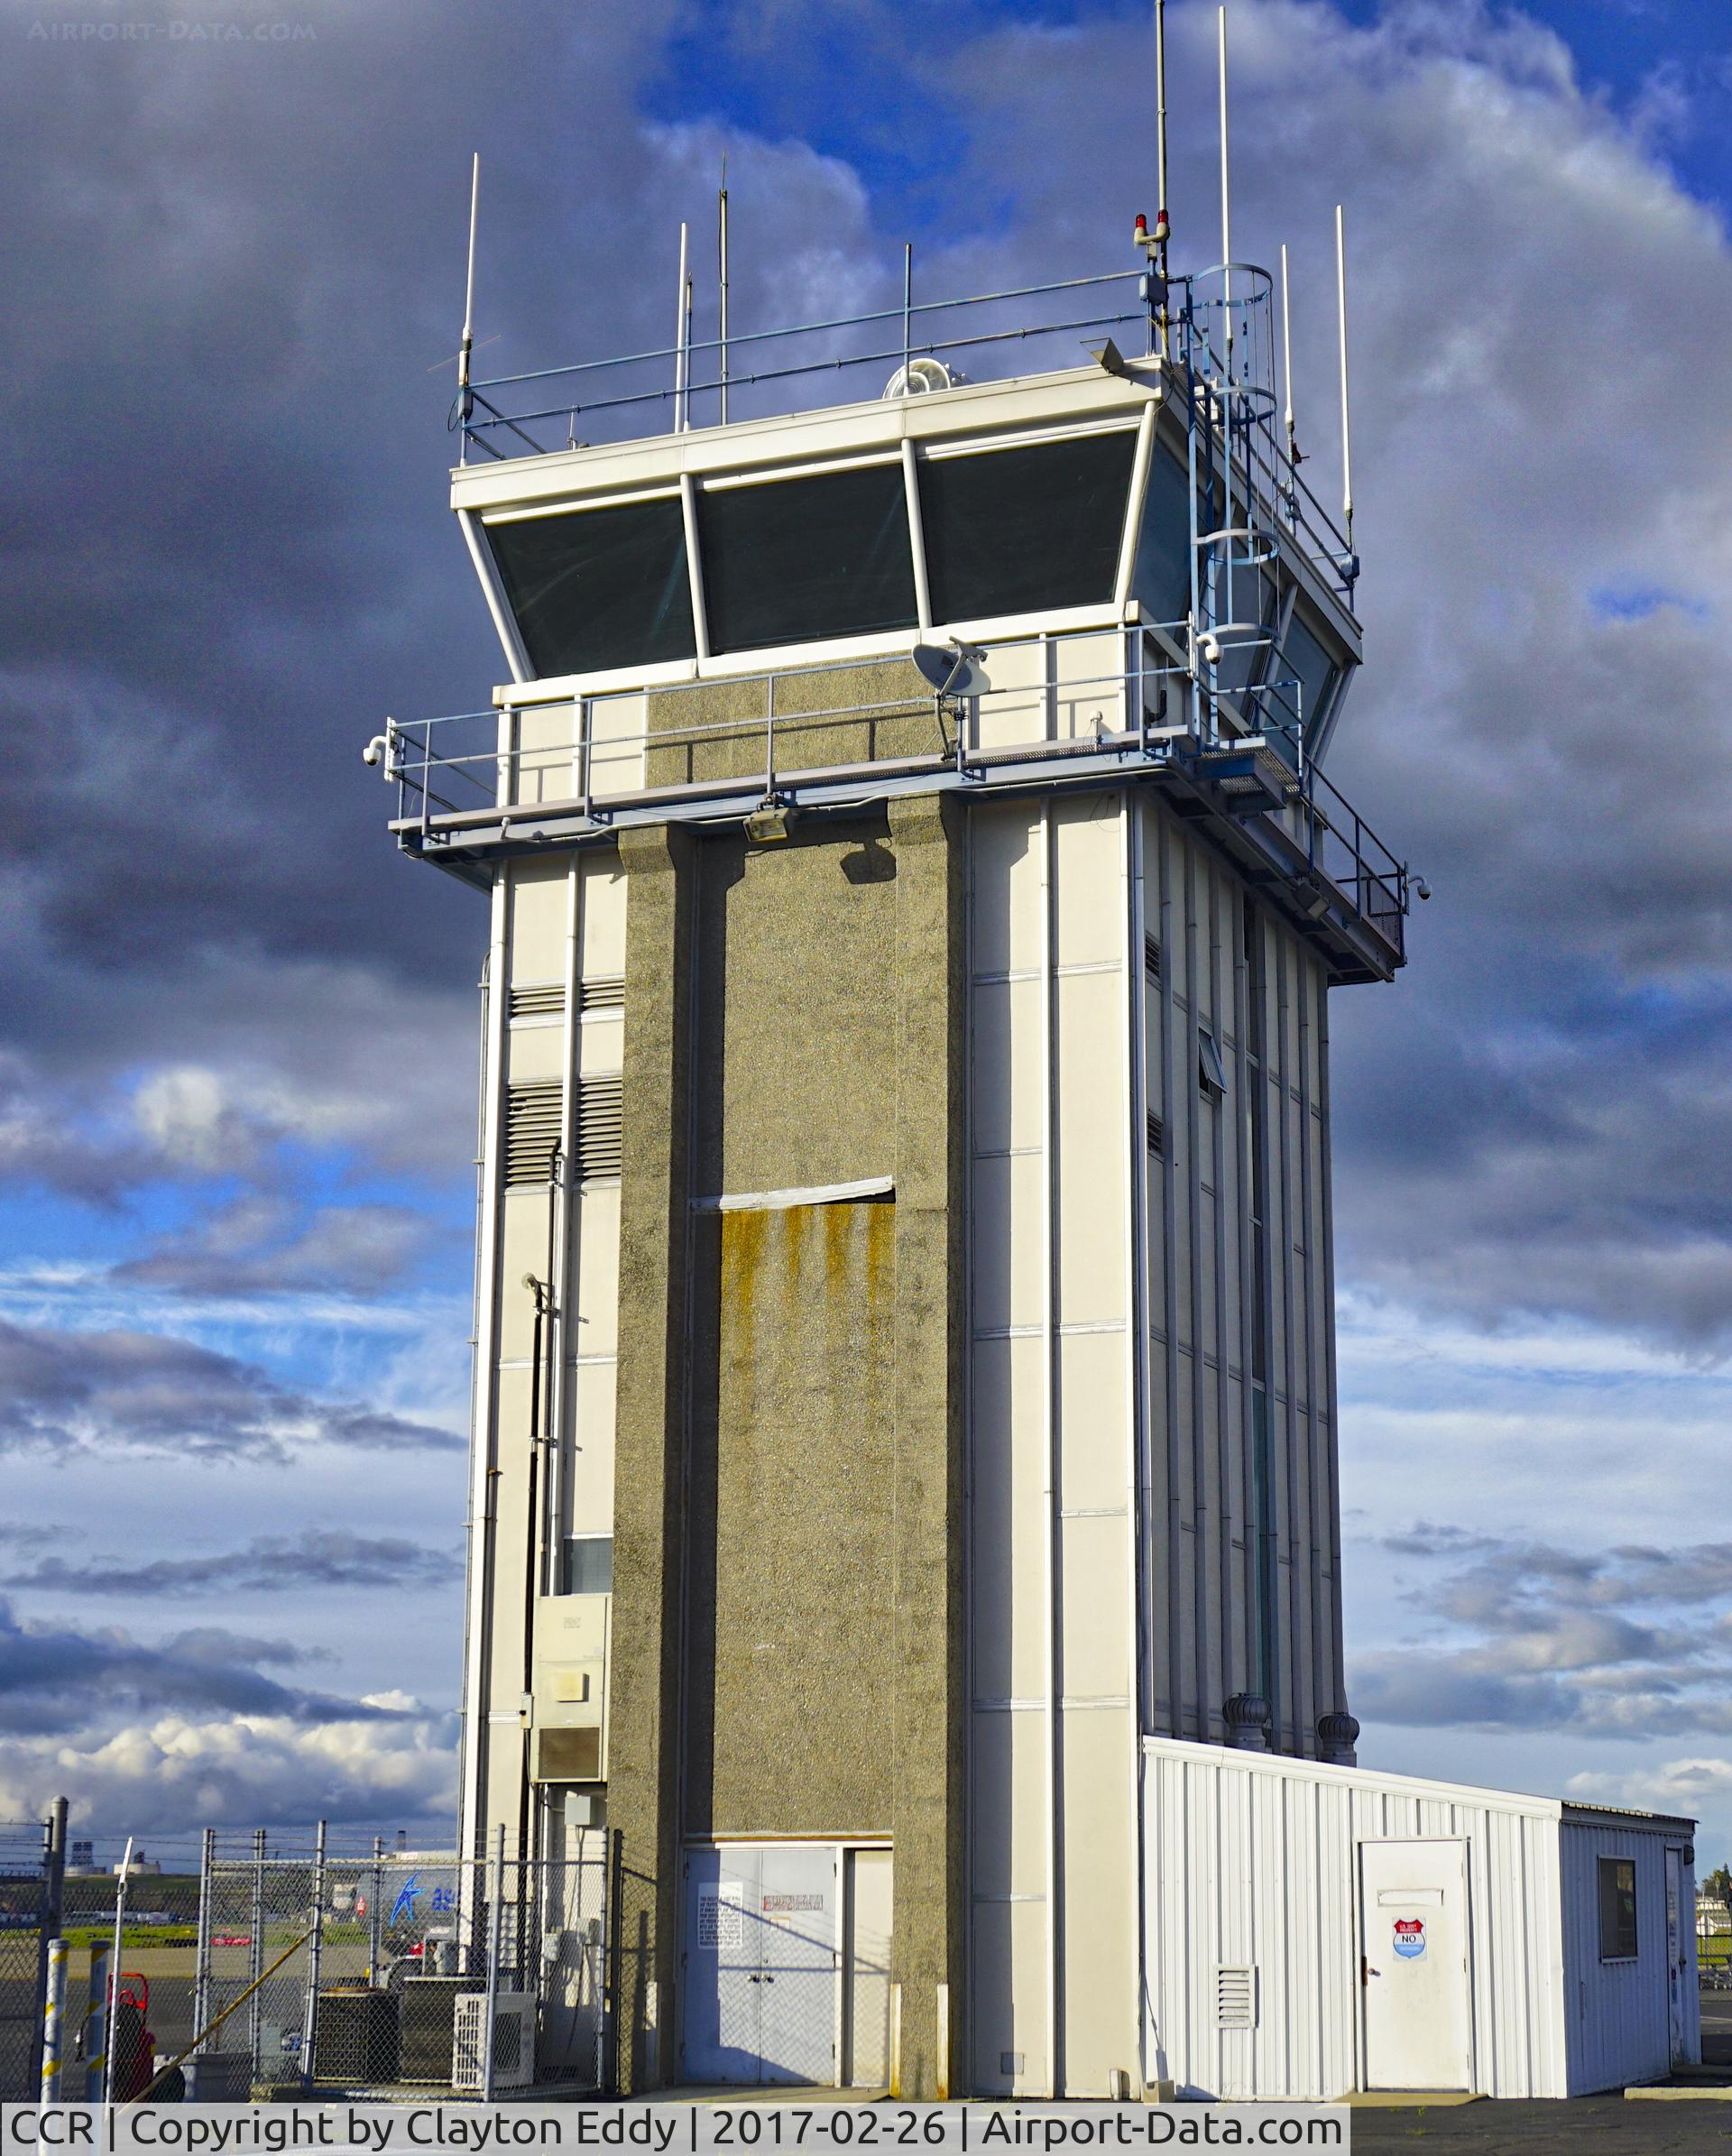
[112, 2020]
[201, 1966]
[309, 2019]
[96, 2027]
[375, 1937]
[53, 2040]
[496, 1917]
[255, 1960]
[54, 1888]
[616, 1891]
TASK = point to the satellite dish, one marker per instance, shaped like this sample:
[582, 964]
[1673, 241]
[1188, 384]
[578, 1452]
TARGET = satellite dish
[921, 376]
[951, 669]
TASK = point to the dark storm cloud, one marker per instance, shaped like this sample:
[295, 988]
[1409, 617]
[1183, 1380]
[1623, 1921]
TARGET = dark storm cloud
[60, 1678]
[141, 1393]
[269, 1564]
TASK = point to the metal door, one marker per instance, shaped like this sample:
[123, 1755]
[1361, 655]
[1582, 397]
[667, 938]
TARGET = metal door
[867, 1903]
[1675, 1950]
[799, 1899]
[1414, 1937]
[721, 1966]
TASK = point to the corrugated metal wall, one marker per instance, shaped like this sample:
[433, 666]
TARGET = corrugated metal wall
[1245, 1593]
[1618, 2012]
[1252, 1862]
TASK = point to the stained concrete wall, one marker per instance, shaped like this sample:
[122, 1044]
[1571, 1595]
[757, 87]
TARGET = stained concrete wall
[788, 1564]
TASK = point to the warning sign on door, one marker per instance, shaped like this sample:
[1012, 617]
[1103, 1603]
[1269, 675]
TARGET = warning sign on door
[1410, 1936]
[721, 1916]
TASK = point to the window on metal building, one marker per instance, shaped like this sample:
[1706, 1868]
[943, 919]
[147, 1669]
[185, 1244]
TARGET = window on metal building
[1211, 1073]
[795, 561]
[1617, 1909]
[598, 587]
[1019, 530]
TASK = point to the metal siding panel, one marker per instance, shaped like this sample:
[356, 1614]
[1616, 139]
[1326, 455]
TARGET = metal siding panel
[1619, 2014]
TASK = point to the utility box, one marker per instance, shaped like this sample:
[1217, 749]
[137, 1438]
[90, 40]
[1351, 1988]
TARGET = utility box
[568, 1705]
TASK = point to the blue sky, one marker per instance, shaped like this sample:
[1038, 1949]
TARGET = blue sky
[236, 1079]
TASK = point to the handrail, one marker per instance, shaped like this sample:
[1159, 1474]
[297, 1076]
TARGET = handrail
[1321, 827]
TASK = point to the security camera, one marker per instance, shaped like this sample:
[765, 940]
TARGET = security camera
[1422, 888]
[375, 752]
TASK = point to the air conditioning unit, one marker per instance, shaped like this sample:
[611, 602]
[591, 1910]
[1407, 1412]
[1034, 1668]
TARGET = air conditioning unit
[513, 2041]
[569, 1702]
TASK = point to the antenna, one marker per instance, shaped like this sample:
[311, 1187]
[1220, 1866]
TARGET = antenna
[1163, 224]
[682, 324]
[1226, 191]
[721, 271]
[1286, 363]
[1341, 309]
[469, 281]
[1160, 112]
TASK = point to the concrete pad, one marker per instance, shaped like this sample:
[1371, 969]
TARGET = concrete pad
[1409, 2099]
[1688, 2092]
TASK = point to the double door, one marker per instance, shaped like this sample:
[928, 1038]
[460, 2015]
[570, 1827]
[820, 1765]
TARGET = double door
[784, 1964]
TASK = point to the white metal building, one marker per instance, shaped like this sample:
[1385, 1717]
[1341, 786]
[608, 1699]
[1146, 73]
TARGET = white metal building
[1312, 1931]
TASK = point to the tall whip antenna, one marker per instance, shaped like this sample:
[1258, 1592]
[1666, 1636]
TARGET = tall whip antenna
[1286, 366]
[1163, 224]
[682, 329]
[464, 349]
[1340, 309]
[469, 280]
[722, 272]
[1226, 192]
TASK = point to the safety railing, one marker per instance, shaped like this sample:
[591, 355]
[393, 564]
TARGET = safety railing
[761, 375]
[1086, 705]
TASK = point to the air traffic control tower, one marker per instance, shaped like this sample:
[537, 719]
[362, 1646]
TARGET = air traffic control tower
[905, 1373]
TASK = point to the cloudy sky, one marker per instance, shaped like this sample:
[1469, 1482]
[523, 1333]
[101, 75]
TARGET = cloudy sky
[237, 1070]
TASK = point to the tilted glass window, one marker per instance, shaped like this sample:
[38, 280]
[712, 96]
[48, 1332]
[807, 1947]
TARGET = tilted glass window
[1021, 530]
[598, 587]
[796, 561]
[1305, 660]
[1160, 580]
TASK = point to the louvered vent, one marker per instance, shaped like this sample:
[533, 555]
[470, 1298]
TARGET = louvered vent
[532, 1130]
[539, 999]
[599, 1114]
[601, 995]
[1152, 957]
[1235, 1998]
[1156, 1135]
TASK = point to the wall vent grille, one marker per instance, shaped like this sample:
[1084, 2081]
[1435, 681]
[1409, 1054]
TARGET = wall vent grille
[601, 995]
[600, 1116]
[1152, 956]
[1156, 1135]
[538, 999]
[532, 1114]
[1235, 1998]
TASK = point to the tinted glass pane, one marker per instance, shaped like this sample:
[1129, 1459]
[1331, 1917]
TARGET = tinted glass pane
[1302, 660]
[600, 587]
[1161, 581]
[1616, 1908]
[802, 559]
[1017, 530]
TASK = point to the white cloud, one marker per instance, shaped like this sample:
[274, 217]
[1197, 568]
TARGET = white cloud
[174, 1772]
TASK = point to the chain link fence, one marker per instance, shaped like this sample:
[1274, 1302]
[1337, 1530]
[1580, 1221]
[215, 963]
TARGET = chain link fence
[284, 1964]
[401, 1973]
